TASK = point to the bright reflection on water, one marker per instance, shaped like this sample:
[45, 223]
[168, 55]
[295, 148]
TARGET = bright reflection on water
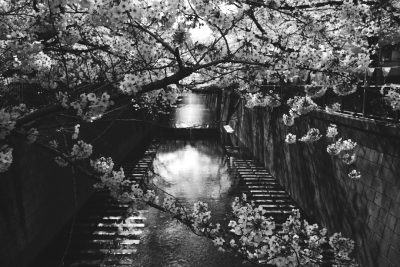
[192, 112]
[192, 171]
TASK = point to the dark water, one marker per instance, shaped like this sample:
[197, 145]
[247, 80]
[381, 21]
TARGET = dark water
[192, 171]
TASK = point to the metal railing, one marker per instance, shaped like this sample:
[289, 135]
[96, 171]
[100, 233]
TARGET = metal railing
[367, 101]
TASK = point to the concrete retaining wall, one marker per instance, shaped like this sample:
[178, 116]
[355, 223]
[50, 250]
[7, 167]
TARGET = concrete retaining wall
[38, 198]
[368, 210]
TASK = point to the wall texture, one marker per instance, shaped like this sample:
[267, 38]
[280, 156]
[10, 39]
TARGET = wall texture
[38, 198]
[368, 210]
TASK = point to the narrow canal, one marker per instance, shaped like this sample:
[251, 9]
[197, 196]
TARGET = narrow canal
[191, 169]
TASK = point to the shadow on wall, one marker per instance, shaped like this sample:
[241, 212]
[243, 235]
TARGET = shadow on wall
[38, 198]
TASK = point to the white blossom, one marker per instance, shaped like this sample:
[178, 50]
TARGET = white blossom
[392, 95]
[53, 143]
[60, 161]
[311, 136]
[6, 158]
[32, 135]
[290, 138]
[103, 165]
[302, 105]
[62, 99]
[288, 120]
[91, 107]
[7, 124]
[354, 174]
[75, 135]
[332, 131]
[335, 107]
[81, 150]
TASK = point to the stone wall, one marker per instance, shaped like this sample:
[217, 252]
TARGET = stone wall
[38, 198]
[367, 210]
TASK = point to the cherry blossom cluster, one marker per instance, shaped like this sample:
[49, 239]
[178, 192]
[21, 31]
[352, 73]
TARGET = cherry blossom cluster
[102, 165]
[345, 89]
[392, 95]
[311, 136]
[117, 183]
[249, 233]
[332, 131]
[290, 138]
[60, 161]
[91, 107]
[63, 99]
[302, 105]
[201, 216]
[81, 150]
[295, 243]
[344, 149]
[75, 134]
[341, 146]
[260, 100]
[8, 118]
[7, 123]
[113, 181]
[6, 158]
[315, 91]
[288, 120]
[354, 174]
[131, 84]
[335, 107]
[155, 103]
[32, 135]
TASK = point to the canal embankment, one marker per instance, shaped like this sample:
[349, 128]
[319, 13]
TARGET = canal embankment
[367, 210]
[38, 198]
[189, 163]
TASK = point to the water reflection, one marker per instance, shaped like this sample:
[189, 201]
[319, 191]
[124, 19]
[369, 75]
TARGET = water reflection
[193, 112]
[192, 171]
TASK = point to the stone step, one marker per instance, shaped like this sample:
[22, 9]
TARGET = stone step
[287, 202]
[269, 195]
[106, 243]
[276, 211]
[136, 174]
[268, 206]
[115, 218]
[262, 188]
[108, 251]
[110, 226]
[260, 182]
[258, 178]
[263, 173]
[103, 235]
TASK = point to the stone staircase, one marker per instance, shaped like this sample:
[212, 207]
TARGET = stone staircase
[259, 186]
[103, 235]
